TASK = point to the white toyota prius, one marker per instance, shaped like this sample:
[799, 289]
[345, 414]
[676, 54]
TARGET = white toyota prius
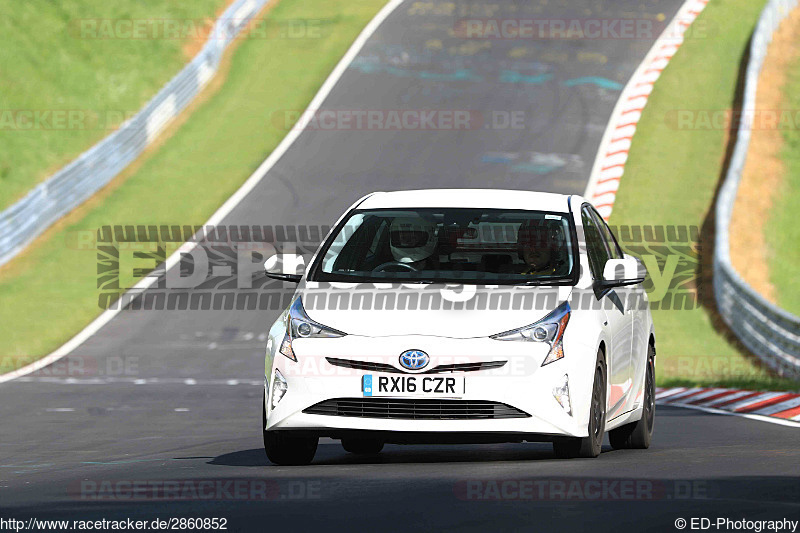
[461, 316]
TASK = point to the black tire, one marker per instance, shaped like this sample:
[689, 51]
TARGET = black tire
[567, 448]
[362, 446]
[284, 448]
[638, 435]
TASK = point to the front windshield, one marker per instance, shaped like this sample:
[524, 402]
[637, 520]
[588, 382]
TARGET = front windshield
[457, 245]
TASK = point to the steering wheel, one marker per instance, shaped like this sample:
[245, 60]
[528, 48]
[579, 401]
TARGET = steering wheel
[384, 266]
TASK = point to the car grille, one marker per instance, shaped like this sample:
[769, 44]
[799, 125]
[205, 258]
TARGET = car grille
[383, 367]
[415, 409]
[465, 367]
[361, 365]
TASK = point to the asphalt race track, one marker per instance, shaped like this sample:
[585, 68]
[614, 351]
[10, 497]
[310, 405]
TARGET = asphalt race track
[185, 409]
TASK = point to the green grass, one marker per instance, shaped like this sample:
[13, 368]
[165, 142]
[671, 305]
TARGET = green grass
[49, 293]
[783, 230]
[50, 61]
[671, 178]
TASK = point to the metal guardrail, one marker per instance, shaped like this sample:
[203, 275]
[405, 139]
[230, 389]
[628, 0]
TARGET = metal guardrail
[771, 333]
[80, 179]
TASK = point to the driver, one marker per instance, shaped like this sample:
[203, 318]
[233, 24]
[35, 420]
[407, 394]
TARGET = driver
[538, 246]
[413, 241]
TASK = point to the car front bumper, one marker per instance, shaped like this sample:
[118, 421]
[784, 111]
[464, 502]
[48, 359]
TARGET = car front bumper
[522, 383]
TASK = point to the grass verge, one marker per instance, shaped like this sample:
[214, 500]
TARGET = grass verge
[49, 292]
[80, 57]
[671, 178]
[783, 229]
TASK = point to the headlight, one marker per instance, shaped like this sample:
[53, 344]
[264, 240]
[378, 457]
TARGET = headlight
[550, 329]
[299, 325]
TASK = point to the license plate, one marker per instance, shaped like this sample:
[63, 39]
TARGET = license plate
[430, 386]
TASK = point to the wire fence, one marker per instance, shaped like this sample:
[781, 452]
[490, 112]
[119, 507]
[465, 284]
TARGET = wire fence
[769, 332]
[73, 184]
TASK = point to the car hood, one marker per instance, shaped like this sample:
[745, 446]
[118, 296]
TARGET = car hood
[456, 312]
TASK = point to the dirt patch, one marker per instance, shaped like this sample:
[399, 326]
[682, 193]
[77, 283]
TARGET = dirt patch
[764, 171]
[194, 44]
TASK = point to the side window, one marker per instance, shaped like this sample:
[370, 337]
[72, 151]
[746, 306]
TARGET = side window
[595, 245]
[608, 237]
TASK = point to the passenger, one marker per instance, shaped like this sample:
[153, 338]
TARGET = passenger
[540, 245]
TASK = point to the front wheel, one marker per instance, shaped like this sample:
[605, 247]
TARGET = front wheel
[283, 448]
[589, 446]
[638, 435]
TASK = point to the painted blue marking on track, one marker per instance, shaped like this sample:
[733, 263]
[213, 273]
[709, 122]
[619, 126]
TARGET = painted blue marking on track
[370, 67]
[512, 76]
[533, 167]
[604, 83]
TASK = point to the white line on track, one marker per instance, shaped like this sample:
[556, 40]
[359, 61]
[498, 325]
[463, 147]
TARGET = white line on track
[729, 400]
[760, 418]
[273, 158]
[227, 207]
[141, 381]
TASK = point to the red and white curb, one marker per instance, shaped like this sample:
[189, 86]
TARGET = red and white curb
[609, 166]
[775, 407]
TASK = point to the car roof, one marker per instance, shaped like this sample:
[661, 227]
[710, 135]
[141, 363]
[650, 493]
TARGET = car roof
[468, 198]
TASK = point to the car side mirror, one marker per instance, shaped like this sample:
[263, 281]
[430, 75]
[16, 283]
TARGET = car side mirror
[284, 267]
[621, 272]
[641, 270]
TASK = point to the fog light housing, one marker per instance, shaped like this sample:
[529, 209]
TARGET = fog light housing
[556, 353]
[286, 348]
[561, 394]
[279, 388]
